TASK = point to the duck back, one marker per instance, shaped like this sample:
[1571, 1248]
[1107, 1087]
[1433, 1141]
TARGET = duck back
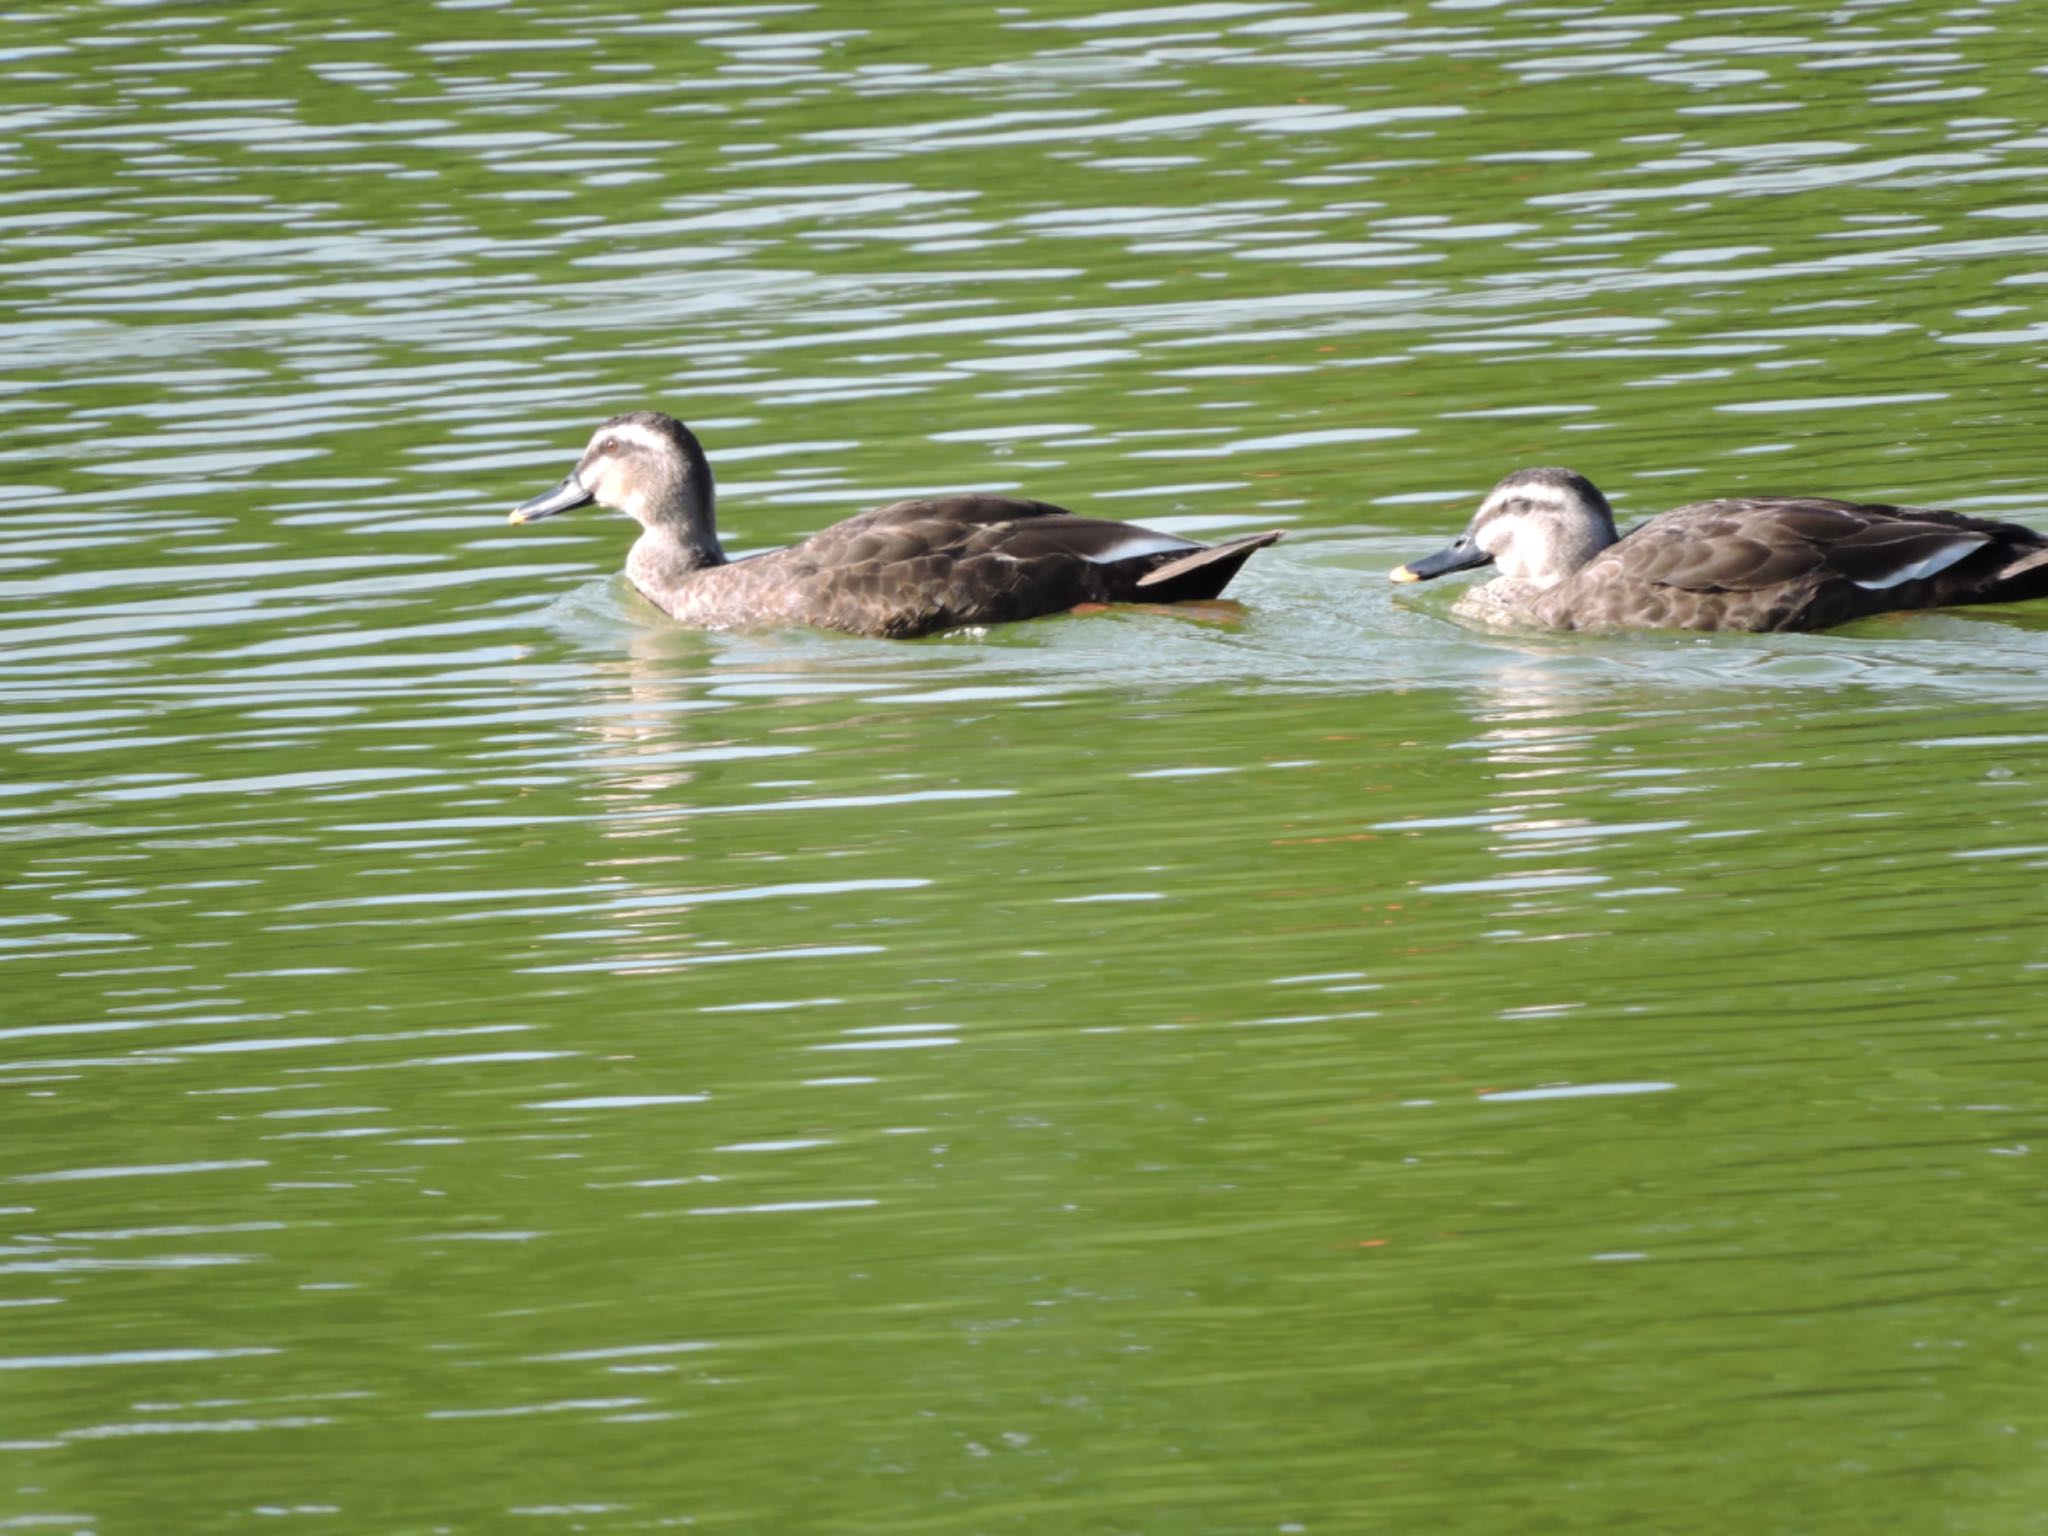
[1794, 563]
[916, 567]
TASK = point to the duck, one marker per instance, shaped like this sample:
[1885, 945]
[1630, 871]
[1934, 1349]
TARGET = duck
[1758, 563]
[896, 572]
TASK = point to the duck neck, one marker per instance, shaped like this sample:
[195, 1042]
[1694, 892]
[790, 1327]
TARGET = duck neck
[679, 516]
[659, 561]
[1567, 551]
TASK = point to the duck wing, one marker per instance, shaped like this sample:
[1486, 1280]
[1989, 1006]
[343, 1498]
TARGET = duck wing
[955, 528]
[914, 567]
[1757, 543]
[1071, 559]
[961, 512]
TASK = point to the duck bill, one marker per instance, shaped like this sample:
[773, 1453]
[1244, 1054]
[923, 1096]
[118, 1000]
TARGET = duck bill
[1464, 555]
[569, 493]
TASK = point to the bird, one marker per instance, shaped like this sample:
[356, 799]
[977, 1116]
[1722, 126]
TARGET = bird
[1759, 563]
[896, 572]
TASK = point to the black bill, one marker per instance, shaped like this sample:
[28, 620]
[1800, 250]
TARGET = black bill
[1461, 556]
[569, 493]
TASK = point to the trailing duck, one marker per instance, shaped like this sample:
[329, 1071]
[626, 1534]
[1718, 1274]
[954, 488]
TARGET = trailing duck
[1744, 563]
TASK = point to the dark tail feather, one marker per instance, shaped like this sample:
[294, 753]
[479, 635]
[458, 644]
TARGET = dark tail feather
[1202, 574]
[2033, 566]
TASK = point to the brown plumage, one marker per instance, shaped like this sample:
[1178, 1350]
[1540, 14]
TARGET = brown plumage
[1747, 563]
[910, 568]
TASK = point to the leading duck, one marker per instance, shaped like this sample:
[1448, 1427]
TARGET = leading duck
[910, 568]
[1748, 563]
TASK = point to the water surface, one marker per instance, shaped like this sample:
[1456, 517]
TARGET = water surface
[478, 1057]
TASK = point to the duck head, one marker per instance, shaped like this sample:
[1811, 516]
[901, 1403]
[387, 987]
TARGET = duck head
[1537, 525]
[648, 466]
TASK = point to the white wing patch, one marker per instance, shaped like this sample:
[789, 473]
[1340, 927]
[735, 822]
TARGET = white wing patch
[1944, 557]
[1138, 545]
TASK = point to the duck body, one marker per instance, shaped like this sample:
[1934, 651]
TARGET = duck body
[917, 567]
[899, 571]
[1760, 563]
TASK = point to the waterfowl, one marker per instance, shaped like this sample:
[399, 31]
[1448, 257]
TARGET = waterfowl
[1749, 563]
[907, 569]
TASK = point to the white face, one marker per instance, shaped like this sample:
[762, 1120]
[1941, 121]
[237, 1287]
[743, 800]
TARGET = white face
[1503, 536]
[623, 465]
[1535, 531]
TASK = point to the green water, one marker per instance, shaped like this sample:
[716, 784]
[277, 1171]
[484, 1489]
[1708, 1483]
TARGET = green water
[476, 1057]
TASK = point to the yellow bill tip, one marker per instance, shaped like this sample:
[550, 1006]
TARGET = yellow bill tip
[1402, 573]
